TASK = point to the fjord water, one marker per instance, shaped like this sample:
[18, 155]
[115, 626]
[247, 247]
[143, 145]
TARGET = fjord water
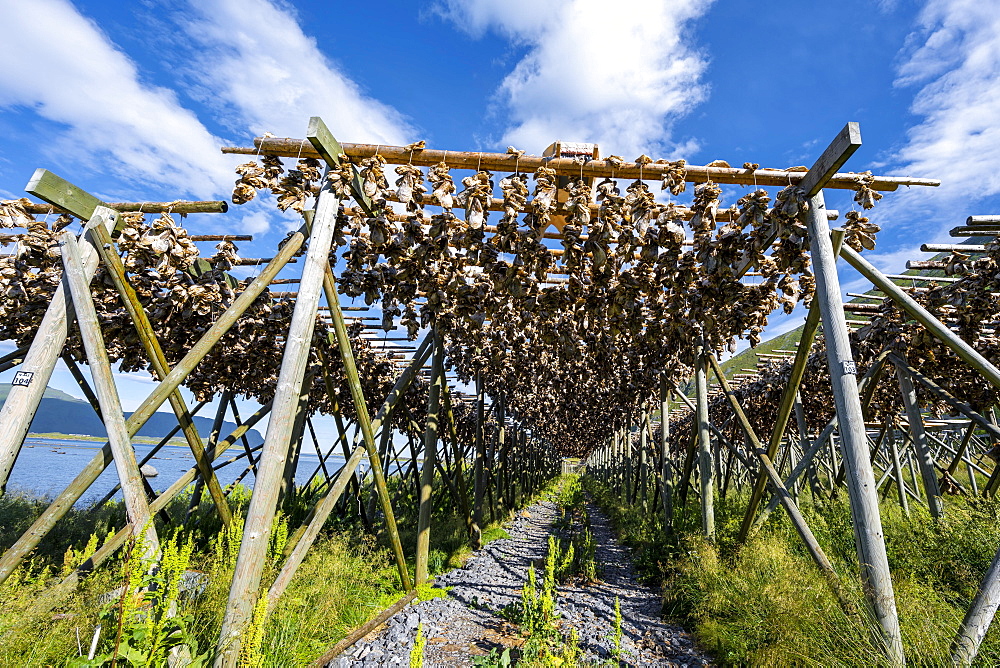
[46, 465]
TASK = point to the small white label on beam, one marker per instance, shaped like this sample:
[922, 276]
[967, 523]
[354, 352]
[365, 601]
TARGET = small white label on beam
[22, 379]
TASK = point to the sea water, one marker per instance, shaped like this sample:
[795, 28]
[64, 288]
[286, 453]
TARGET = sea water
[46, 466]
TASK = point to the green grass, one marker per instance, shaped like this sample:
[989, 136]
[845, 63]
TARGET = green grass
[765, 602]
[347, 578]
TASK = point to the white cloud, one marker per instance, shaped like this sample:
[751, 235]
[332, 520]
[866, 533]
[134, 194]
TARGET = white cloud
[60, 65]
[618, 74]
[256, 222]
[954, 55]
[254, 55]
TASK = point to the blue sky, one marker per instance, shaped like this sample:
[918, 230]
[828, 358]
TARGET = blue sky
[131, 100]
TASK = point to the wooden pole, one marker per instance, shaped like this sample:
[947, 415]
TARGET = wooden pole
[799, 522]
[430, 457]
[872, 557]
[804, 444]
[978, 618]
[925, 458]
[386, 411]
[136, 505]
[897, 472]
[666, 474]
[319, 516]
[463, 496]
[963, 449]
[260, 515]
[360, 632]
[327, 146]
[214, 435]
[500, 452]
[704, 447]
[478, 467]
[640, 479]
[788, 397]
[319, 451]
[39, 361]
[101, 240]
[295, 443]
[246, 444]
[506, 162]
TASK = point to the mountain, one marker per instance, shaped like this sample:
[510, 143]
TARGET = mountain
[60, 412]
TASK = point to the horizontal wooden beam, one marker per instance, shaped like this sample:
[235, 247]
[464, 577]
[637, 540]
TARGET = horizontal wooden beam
[925, 279]
[936, 265]
[993, 220]
[951, 248]
[505, 162]
[178, 207]
[974, 232]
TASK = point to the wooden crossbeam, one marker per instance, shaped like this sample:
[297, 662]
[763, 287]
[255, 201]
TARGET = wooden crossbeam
[951, 248]
[966, 231]
[504, 162]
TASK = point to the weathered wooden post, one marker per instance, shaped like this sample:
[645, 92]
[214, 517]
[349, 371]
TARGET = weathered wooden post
[22, 402]
[628, 463]
[643, 457]
[872, 557]
[820, 172]
[460, 487]
[295, 448]
[805, 533]
[500, 461]
[978, 618]
[220, 417]
[144, 328]
[925, 458]
[897, 472]
[478, 472]
[136, 504]
[666, 473]
[260, 515]
[704, 446]
[804, 444]
[430, 457]
[329, 148]
[65, 500]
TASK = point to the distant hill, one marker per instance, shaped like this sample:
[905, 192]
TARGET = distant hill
[60, 412]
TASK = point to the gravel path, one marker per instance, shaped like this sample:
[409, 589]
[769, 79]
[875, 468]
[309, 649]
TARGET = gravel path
[464, 624]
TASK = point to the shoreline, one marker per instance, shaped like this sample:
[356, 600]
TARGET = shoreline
[176, 442]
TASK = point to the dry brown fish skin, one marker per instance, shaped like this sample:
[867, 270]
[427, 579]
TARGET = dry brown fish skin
[597, 341]
[543, 200]
[475, 198]
[442, 186]
[859, 232]
[865, 195]
[410, 188]
[673, 176]
[251, 180]
[373, 180]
